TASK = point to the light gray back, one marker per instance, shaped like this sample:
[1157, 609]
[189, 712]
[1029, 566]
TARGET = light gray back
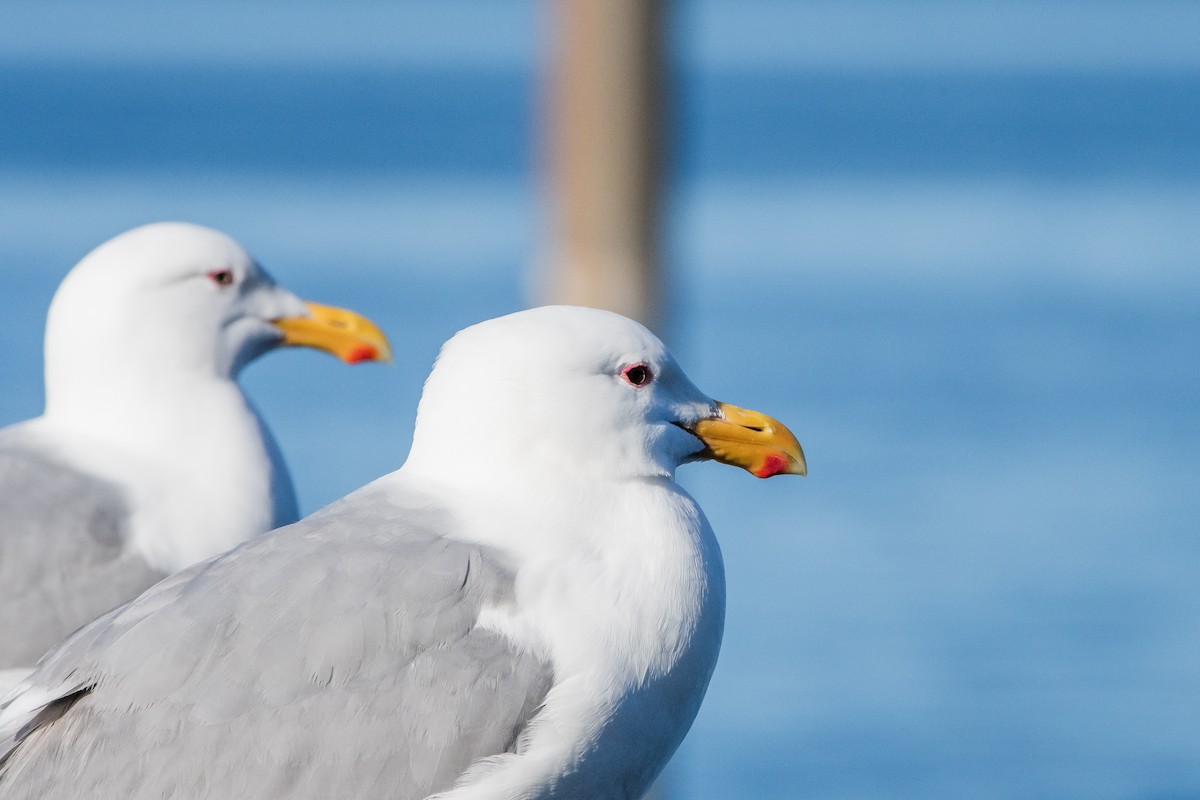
[62, 555]
[337, 657]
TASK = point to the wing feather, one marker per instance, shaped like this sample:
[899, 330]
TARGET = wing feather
[336, 657]
[63, 559]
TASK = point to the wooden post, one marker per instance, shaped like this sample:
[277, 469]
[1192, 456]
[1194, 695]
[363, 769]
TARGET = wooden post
[603, 137]
[603, 142]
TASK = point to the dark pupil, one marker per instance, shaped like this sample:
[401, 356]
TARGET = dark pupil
[224, 278]
[638, 375]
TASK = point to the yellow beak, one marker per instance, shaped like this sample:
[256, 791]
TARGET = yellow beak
[349, 336]
[758, 444]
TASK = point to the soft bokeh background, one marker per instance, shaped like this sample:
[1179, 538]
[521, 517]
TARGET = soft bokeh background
[955, 245]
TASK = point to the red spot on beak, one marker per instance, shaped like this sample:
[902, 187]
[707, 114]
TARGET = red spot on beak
[361, 353]
[773, 464]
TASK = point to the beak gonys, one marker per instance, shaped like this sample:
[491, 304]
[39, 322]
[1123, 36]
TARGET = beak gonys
[347, 335]
[755, 442]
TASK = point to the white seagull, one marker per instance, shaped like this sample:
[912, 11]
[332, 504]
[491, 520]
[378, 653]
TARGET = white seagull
[530, 607]
[148, 457]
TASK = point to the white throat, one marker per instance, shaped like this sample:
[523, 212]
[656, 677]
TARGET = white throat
[200, 468]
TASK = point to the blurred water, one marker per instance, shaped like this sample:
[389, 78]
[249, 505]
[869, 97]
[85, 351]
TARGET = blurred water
[965, 273]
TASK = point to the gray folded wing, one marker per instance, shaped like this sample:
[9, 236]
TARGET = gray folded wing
[63, 560]
[338, 657]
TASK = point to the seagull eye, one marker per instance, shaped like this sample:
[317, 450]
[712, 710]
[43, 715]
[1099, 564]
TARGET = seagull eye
[637, 374]
[221, 277]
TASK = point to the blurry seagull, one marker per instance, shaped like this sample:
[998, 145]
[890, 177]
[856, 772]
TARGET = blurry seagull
[148, 457]
[529, 608]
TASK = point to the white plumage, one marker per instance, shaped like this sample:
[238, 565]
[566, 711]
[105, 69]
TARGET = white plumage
[148, 457]
[529, 608]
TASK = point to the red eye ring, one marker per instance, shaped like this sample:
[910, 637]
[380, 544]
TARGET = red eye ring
[221, 277]
[638, 374]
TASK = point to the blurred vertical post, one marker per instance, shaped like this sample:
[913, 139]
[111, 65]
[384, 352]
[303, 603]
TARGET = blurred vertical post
[604, 136]
[604, 162]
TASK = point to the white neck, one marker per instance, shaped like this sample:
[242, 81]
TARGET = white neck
[630, 600]
[200, 467]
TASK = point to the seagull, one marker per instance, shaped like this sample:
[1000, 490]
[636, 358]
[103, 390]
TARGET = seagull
[148, 457]
[530, 607]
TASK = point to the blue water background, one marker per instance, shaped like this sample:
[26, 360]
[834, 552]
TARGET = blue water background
[955, 246]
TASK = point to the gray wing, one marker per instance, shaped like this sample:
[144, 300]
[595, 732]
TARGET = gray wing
[63, 560]
[337, 657]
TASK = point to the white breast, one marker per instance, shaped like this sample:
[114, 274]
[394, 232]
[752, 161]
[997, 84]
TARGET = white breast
[630, 611]
[201, 476]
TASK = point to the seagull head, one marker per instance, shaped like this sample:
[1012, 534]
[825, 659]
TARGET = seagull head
[176, 298]
[568, 390]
